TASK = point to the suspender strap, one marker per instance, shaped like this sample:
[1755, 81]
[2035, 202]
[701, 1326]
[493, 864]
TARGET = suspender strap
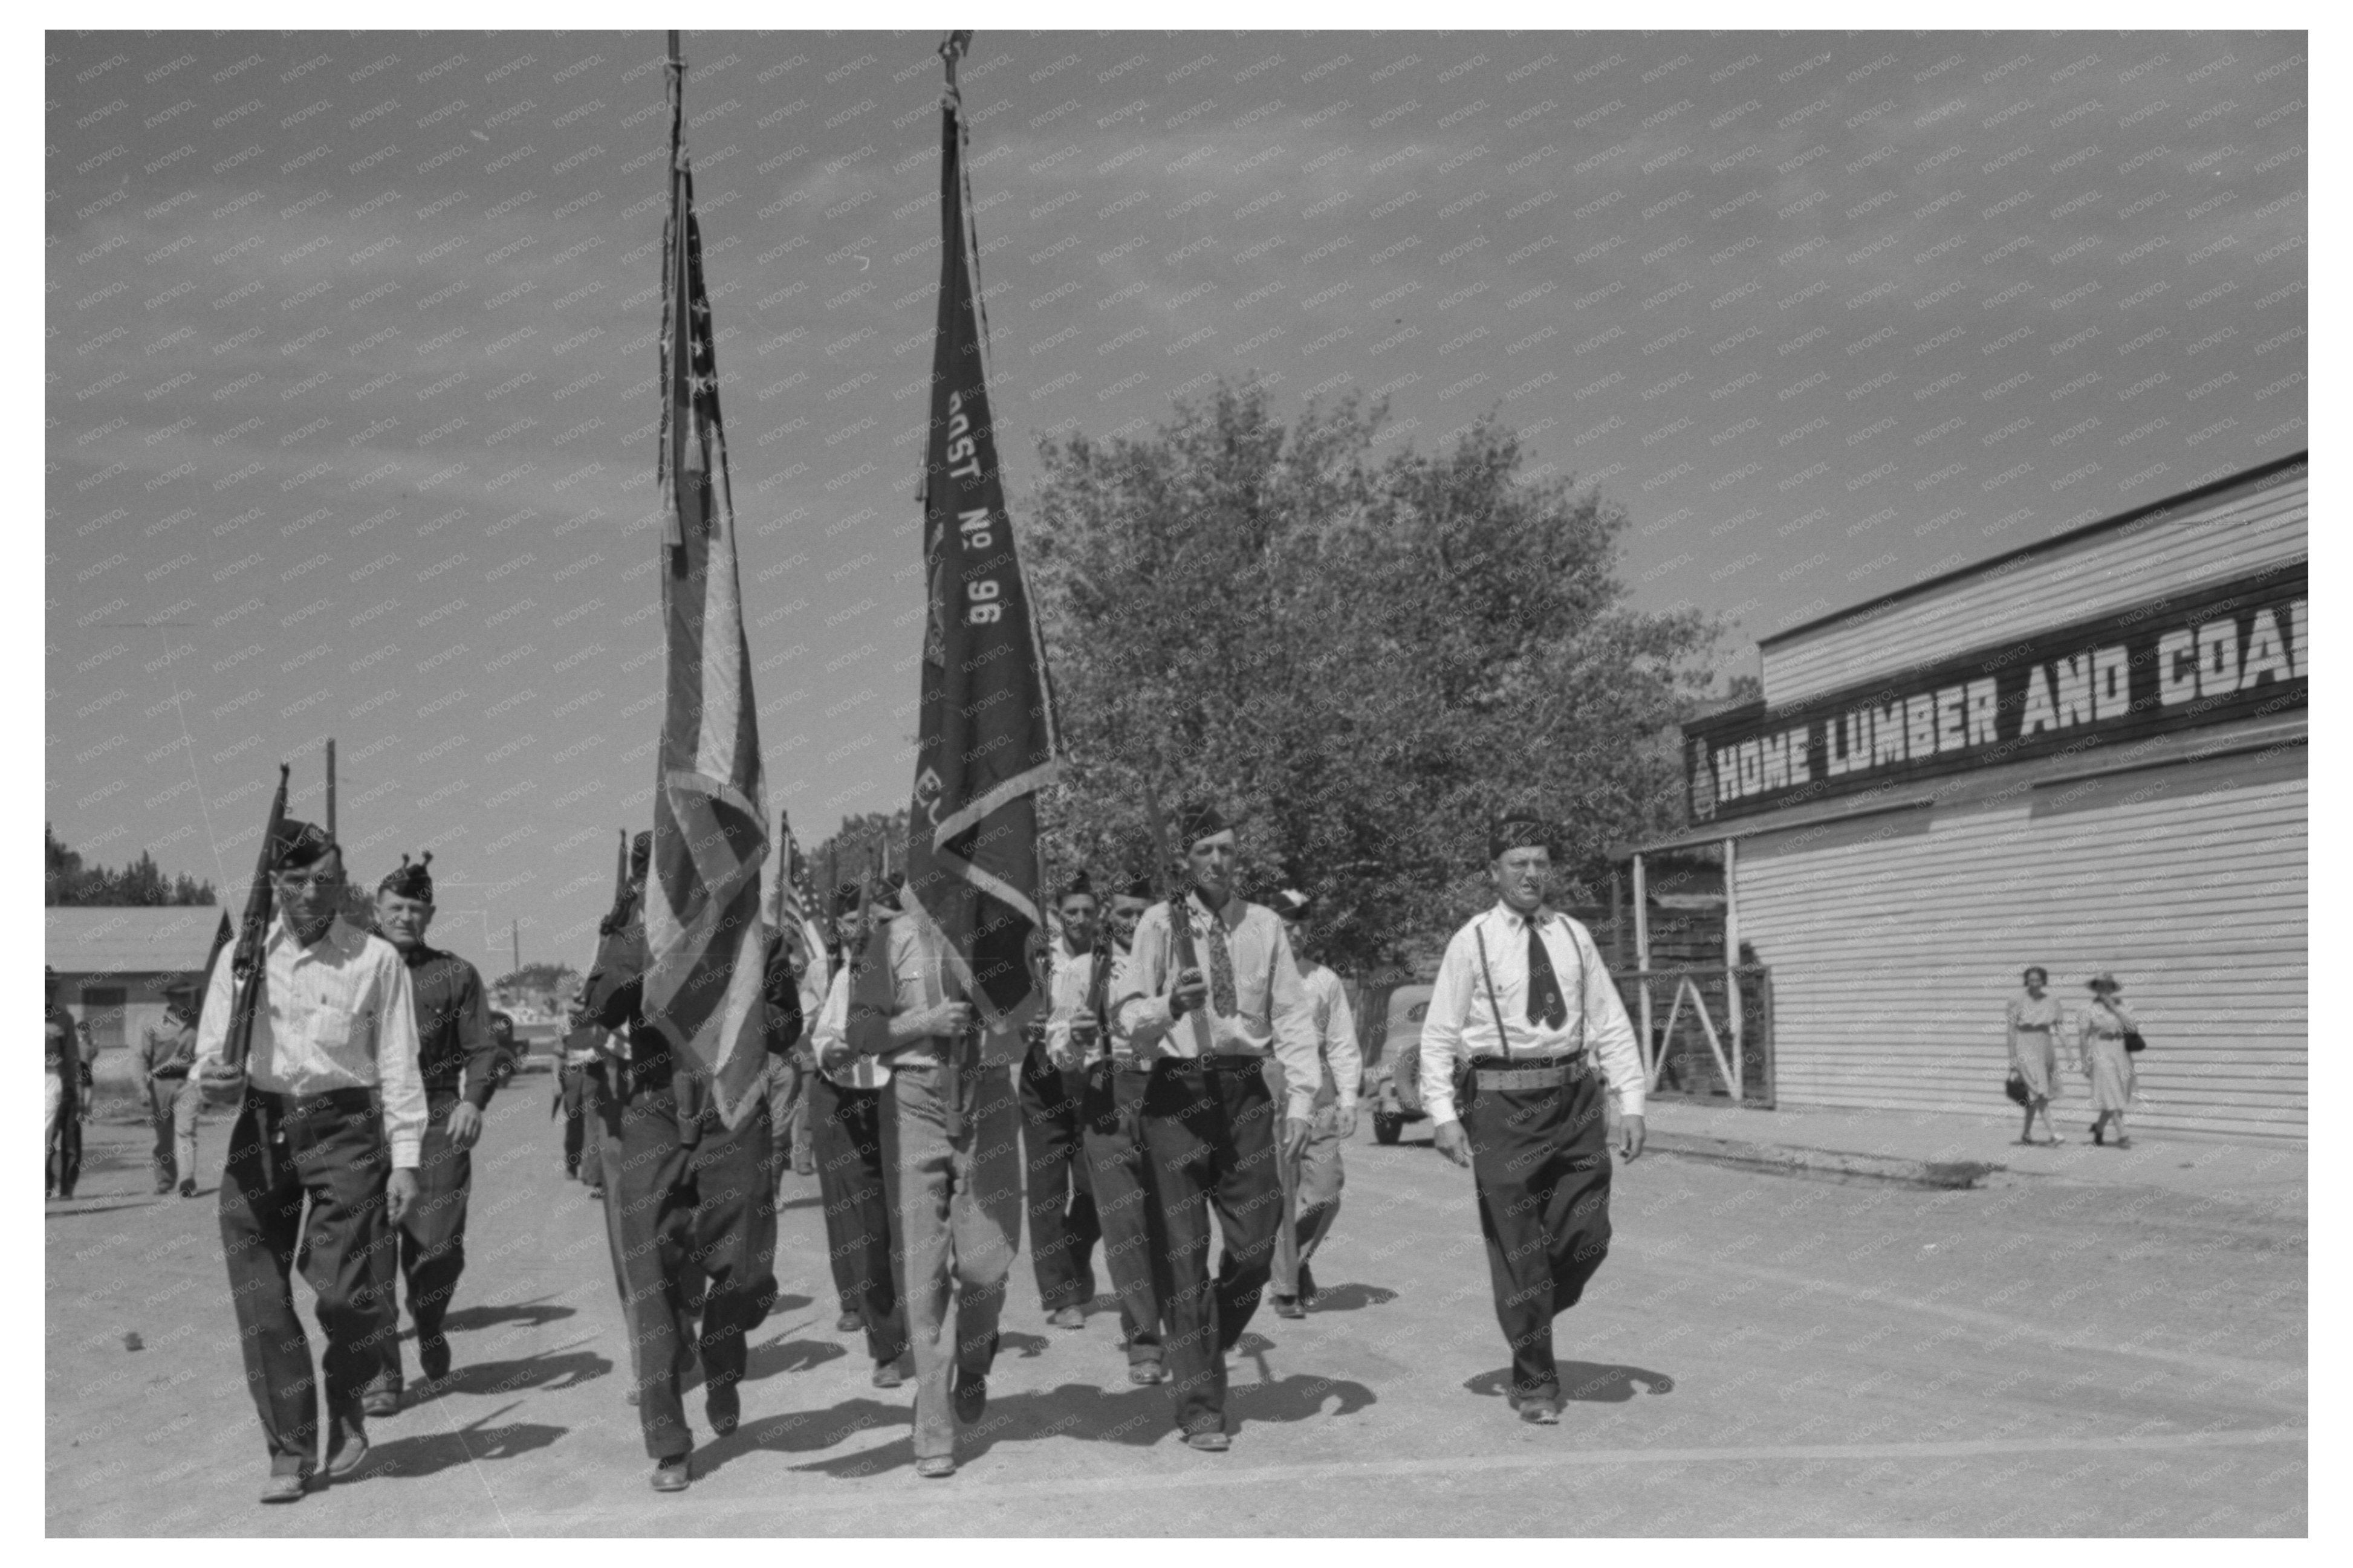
[1503, 1040]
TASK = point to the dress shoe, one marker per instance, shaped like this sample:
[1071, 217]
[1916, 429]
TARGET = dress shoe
[888, 1376]
[380, 1402]
[433, 1356]
[1208, 1440]
[724, 1406]
[286, 1486]
[969, 1397]
[1289, 1307]
[849, 1323]
[1144, 1373]
[936, 1466]
[1068, 1317]
[161, 1188]
[1538, 1410]
[674, 1475]
[1306, 1287]
[188, 1188]
[347, 1448]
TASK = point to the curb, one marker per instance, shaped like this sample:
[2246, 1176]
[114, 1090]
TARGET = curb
[1822, 1165]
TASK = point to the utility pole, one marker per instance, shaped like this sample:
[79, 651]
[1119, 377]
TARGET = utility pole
[331, 788]
[516, 932]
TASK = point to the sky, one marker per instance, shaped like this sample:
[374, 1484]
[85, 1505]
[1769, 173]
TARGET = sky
[350, 358]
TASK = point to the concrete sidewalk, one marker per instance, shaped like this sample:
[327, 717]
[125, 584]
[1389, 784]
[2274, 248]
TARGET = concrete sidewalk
[1914, 1146]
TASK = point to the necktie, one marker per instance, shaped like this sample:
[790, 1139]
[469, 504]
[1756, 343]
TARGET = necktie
[1221, 971]
[1545, 1004]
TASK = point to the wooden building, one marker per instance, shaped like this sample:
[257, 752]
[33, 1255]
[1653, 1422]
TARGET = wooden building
[113, 962]
[2086, 754]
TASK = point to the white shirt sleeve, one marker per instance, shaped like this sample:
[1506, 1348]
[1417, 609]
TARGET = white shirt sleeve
[1441, 1028]
[1295, 1042]
[833, 1016]
[1611, 1036]
[1139, 1011]
[397, 1074]
[1340, 1047]
[211, 1023]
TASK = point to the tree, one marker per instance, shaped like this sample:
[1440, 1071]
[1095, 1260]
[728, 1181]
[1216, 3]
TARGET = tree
[1368, 658]
[67, 880]
[844, 853]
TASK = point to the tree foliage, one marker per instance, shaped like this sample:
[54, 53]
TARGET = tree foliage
[1365, 656]
[557, 981]
[67, 880]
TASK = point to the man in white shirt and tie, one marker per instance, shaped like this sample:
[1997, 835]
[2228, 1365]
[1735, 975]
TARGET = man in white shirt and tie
[1521, 998]
[336, 1032]
[1209, 1119]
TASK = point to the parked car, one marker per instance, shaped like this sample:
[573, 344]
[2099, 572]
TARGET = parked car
[1392, 1051]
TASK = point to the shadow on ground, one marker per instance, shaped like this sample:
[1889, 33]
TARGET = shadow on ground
[476, 1442]
[788, 1355]
[1593, 1382]
[530, 1314]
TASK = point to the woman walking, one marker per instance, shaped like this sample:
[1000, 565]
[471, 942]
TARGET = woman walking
[2035, 1020]
[2100, 1036]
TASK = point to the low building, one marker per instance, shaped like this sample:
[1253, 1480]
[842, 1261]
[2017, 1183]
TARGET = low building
[112, 963]
[2087, 753]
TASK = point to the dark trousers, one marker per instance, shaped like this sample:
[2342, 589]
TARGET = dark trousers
[1209, 1144]
[574, 1096]
[61, 1150]
[693, 1201]
[855, 1185]
[601, 1168]
[431, 1237]
[1062, 1226]
[1540, 1158]
[304, 1188]
[1112, 1111]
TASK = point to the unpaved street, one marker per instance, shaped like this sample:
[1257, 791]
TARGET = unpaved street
[1759, 1356]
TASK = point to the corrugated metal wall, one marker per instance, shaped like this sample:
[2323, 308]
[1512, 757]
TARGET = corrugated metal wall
[1895, 941]
[2236, 533]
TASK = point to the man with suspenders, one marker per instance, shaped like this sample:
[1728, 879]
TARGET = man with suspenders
[1523, 1000]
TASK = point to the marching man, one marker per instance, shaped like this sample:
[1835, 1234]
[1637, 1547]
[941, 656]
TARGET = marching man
[1522, 997]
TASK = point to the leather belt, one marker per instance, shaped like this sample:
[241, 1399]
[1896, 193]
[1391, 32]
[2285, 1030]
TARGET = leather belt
[348, 1100]
[1532, 1075]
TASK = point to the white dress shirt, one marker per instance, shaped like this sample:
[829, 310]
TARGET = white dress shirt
[1335, 1027]
[1463, 1009]
[833, 1029]
[1272, 1012]
[340, 1015]
[1072, 984]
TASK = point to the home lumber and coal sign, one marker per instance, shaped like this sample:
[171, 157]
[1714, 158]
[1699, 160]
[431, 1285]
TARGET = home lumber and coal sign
[2209, 656]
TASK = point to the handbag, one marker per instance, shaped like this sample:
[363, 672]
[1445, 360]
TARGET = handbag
[2133, 1044]
[2015, 1085]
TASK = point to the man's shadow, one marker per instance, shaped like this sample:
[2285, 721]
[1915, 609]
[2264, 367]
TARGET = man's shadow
[1132, 1417]
[530, 1314]
[782, 1356]
[550, 1371]
[1352, 1298]
[430, 1453]
[1586, 1382]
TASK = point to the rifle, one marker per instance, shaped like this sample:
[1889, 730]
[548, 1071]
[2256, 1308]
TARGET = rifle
[1180, 919]
[246, 963]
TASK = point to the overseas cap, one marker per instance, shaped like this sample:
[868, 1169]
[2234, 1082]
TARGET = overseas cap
[410, 880]
[299, 844]
[1518, 830]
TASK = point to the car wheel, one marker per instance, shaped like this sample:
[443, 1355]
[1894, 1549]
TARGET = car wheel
[1387, 1129]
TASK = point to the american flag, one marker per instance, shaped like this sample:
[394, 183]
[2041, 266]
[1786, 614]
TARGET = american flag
[703, 900]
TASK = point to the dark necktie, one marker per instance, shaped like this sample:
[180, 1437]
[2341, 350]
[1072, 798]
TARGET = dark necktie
[1221, 971]
[1545, 1004]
